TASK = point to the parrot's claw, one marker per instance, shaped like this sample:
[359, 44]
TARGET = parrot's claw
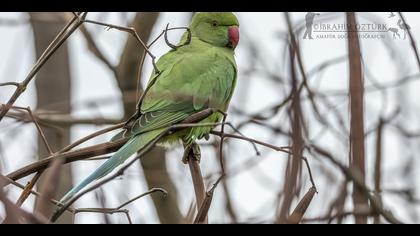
[196, 152]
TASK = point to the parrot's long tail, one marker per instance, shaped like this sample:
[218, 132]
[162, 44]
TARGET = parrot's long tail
[135, 144]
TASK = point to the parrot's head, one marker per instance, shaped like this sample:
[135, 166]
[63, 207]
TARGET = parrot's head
[217, 28]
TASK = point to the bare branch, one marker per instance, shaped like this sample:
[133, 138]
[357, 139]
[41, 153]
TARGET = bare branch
[356, 87]
[68, 30]
[193, 159]
[205, 207]
[119, 208]
[302, 206]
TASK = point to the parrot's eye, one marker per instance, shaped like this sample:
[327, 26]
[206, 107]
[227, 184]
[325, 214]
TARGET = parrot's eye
[215, 23]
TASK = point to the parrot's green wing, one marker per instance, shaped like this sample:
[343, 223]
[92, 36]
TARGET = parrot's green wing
[193, 81]
[190, 82]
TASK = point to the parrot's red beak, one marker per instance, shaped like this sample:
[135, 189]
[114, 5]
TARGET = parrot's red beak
[233, 33]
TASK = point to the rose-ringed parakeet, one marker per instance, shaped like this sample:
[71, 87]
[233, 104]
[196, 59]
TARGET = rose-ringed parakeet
[195, 76]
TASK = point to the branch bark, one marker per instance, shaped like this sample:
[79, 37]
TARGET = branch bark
[294, 162]
[197, 178]
[357, 135]
[378, 166]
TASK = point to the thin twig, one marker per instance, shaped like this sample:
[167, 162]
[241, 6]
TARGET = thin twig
[38, 127]
[170, 44]
[93, 47]
[26, 192]
[10, 84]
[91, 136]
[5, 181]
[62, 36]
[378, 165]
[276, 148]
[222, 164]
[119, 208]
[131, 31]
[80, 154]
[28, 188]
[153, 190]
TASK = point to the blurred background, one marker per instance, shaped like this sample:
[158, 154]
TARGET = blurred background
[91, 83]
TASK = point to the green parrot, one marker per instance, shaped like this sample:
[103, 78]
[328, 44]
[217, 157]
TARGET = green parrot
[193, 77]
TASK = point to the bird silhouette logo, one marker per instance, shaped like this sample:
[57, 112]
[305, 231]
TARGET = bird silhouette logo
[401, 25]
[404, 26]
[394, 32]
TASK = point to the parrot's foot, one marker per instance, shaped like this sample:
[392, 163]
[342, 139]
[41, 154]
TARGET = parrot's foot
[191, 150]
